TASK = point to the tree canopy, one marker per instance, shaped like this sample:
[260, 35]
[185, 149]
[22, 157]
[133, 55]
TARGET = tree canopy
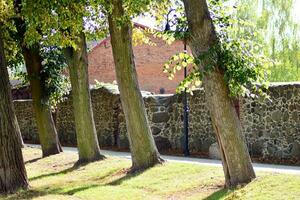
[241, 57]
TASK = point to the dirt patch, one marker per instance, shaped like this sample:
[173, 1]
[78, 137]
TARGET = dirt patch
[203, 190]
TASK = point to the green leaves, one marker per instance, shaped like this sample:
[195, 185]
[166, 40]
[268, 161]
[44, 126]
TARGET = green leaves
[142, 36]
[278, 30]
[236, 53]
[176, 63]
[3, 11]
[59, 22]
[57, 84]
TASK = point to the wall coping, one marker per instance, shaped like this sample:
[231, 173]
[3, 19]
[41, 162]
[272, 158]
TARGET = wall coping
[22, 100]
[114, 90]
[285, 83]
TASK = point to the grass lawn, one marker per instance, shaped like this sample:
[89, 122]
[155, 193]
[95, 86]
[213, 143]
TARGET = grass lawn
[55, 178]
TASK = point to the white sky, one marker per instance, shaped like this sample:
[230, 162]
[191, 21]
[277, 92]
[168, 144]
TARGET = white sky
[296, 10]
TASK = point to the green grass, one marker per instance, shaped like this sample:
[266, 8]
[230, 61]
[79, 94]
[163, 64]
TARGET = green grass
[55, 178]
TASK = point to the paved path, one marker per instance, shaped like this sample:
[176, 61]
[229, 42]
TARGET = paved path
[257, 166]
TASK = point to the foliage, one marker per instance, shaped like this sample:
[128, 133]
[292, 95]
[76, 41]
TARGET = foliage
[176, 63]
[142, 36]
[278, 29]
[3, 11]
[57, 84]
[284, 73]
[12, 51]
[239, 56]
[59, 23]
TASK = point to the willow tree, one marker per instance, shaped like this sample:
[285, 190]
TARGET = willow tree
[279, 30]
[31, 52]
[143, 149]
[12, 174]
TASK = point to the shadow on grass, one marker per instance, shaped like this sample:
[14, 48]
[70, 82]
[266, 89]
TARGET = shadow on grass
[218, 194]
[74, 167]
[72, 191]
[128, 175]
[33, 160]
[24, 194]
[33, 193]
[79, 189]
[69, 189]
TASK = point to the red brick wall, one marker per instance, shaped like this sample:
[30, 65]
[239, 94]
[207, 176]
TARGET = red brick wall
[149, 63]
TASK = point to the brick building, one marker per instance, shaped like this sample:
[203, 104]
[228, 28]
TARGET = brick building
[149, 64]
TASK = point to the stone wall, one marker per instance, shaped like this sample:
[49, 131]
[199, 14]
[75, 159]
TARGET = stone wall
[105, 108]
[271, 127]
[26, 120]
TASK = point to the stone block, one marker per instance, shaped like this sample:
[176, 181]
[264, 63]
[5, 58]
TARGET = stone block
[214, 151]
[155, 130]
[160, 117]
[295, 152]
[162, 143]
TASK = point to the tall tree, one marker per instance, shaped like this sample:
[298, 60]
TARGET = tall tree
[47, 132]
[12, 174]
[279, 31]
[203, 38]
[66, 31]
[143, 149]
[87, 140]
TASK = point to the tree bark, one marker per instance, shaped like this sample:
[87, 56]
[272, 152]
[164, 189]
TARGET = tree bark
[143, 149]
[47, 132]
[87, 140]
[235, 156]
[12, 169]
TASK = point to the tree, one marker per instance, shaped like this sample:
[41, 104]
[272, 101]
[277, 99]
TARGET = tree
[87, 140]
[203, 38]
[66, 31]
[12, 174]
[47, 132]
[143, 149]
[279, 31]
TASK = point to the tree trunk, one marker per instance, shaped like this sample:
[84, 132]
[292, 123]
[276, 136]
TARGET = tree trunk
[87, 140]
[12, 169]
[235, 156]
[33, 61]
[143, 149]
[47, 132]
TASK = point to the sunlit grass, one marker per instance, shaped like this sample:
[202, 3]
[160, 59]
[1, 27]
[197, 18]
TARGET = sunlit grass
[55, 178]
